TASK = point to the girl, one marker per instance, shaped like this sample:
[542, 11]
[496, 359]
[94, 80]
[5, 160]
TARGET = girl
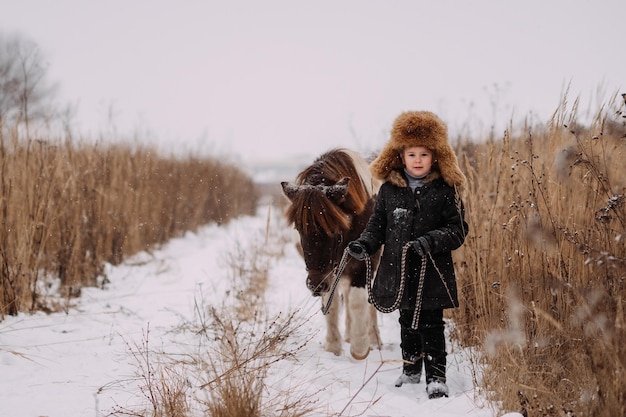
[420, 220]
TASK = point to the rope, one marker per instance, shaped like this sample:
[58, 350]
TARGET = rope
[338, 272]
[368, 262]
[396, 303]
[418, 298]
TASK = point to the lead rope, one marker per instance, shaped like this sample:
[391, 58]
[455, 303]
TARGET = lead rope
[338, 272]
[420, 291]
[396, 303]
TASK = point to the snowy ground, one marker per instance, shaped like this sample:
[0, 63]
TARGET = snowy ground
[81, 363]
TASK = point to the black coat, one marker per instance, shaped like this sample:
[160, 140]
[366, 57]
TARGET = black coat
[434, 211]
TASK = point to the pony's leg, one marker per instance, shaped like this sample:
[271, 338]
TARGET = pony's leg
[358, 309]
[344, 289]
[333, 336]
[373, 331]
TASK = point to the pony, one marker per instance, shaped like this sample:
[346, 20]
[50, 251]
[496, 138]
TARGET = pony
[329, 206]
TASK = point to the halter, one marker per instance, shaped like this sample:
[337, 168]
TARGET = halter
[368, 262]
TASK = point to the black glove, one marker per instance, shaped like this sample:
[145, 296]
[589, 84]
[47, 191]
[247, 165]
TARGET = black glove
[357, 251]
[421, 246]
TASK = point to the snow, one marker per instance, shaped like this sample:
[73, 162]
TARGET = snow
[84, 361]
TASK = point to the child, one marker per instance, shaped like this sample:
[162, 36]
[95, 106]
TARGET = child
[419, 218]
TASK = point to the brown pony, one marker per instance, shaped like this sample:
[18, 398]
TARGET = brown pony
[331, 202]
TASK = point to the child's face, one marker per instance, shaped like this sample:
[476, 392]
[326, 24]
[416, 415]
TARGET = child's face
[417, 160]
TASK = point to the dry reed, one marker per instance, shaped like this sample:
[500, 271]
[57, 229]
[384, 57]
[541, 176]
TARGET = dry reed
[542, 272]
[66, 209]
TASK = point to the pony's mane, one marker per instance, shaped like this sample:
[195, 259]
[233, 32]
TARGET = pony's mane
[312, 212]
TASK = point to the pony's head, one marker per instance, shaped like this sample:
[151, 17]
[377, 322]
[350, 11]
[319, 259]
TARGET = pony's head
[325, 199]
[316, 214]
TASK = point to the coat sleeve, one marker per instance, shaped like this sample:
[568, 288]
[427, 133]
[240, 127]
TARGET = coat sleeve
[373, 236]
[451, 234]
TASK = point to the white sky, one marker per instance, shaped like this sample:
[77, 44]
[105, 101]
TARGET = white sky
[277, 78]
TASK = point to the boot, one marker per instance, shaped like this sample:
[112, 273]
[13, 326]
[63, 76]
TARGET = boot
[437, 389]
[411, 370]
[435, 367]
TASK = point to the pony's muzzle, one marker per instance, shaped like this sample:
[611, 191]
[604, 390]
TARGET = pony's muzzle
[317, 287]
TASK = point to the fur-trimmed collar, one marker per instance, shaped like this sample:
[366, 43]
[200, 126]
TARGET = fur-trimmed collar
[397, 178]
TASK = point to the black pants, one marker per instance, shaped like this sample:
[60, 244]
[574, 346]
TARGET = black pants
[427, 342]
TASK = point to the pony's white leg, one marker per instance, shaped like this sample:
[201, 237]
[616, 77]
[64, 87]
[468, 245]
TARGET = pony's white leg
[358, 308]
[373, 331]
[333, 336]
[344, 289]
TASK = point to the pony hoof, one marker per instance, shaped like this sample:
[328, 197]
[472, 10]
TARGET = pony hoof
[360, 357]
[334, 349]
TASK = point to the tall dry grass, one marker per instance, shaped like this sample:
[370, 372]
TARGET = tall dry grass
[66, 209]
[542, 273]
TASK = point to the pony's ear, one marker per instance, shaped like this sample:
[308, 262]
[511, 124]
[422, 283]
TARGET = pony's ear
[337, 193]
[289, 189]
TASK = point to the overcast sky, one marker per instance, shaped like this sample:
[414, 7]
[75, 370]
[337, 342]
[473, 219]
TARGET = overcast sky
[271, 79]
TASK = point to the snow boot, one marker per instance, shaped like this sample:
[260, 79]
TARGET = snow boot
[435, 367]
[437, 389]
[408, 379]
[411, 370]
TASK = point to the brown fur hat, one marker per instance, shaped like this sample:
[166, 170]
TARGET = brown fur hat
[418, 128]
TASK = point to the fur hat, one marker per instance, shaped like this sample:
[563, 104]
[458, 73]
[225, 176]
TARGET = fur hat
[418, 128]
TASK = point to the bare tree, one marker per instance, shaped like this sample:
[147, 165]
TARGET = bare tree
[25, 94]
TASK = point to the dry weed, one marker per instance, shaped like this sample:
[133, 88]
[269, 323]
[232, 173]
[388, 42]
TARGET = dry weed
[236, 345]
[67, 209]
[542, 272]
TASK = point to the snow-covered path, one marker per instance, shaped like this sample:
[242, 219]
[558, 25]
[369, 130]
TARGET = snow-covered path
[81, 363]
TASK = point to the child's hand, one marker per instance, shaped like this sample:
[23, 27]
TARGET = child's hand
[357, 251]
[421, 246]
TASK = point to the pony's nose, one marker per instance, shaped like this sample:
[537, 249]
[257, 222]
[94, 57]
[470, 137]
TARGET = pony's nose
[317, 289]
